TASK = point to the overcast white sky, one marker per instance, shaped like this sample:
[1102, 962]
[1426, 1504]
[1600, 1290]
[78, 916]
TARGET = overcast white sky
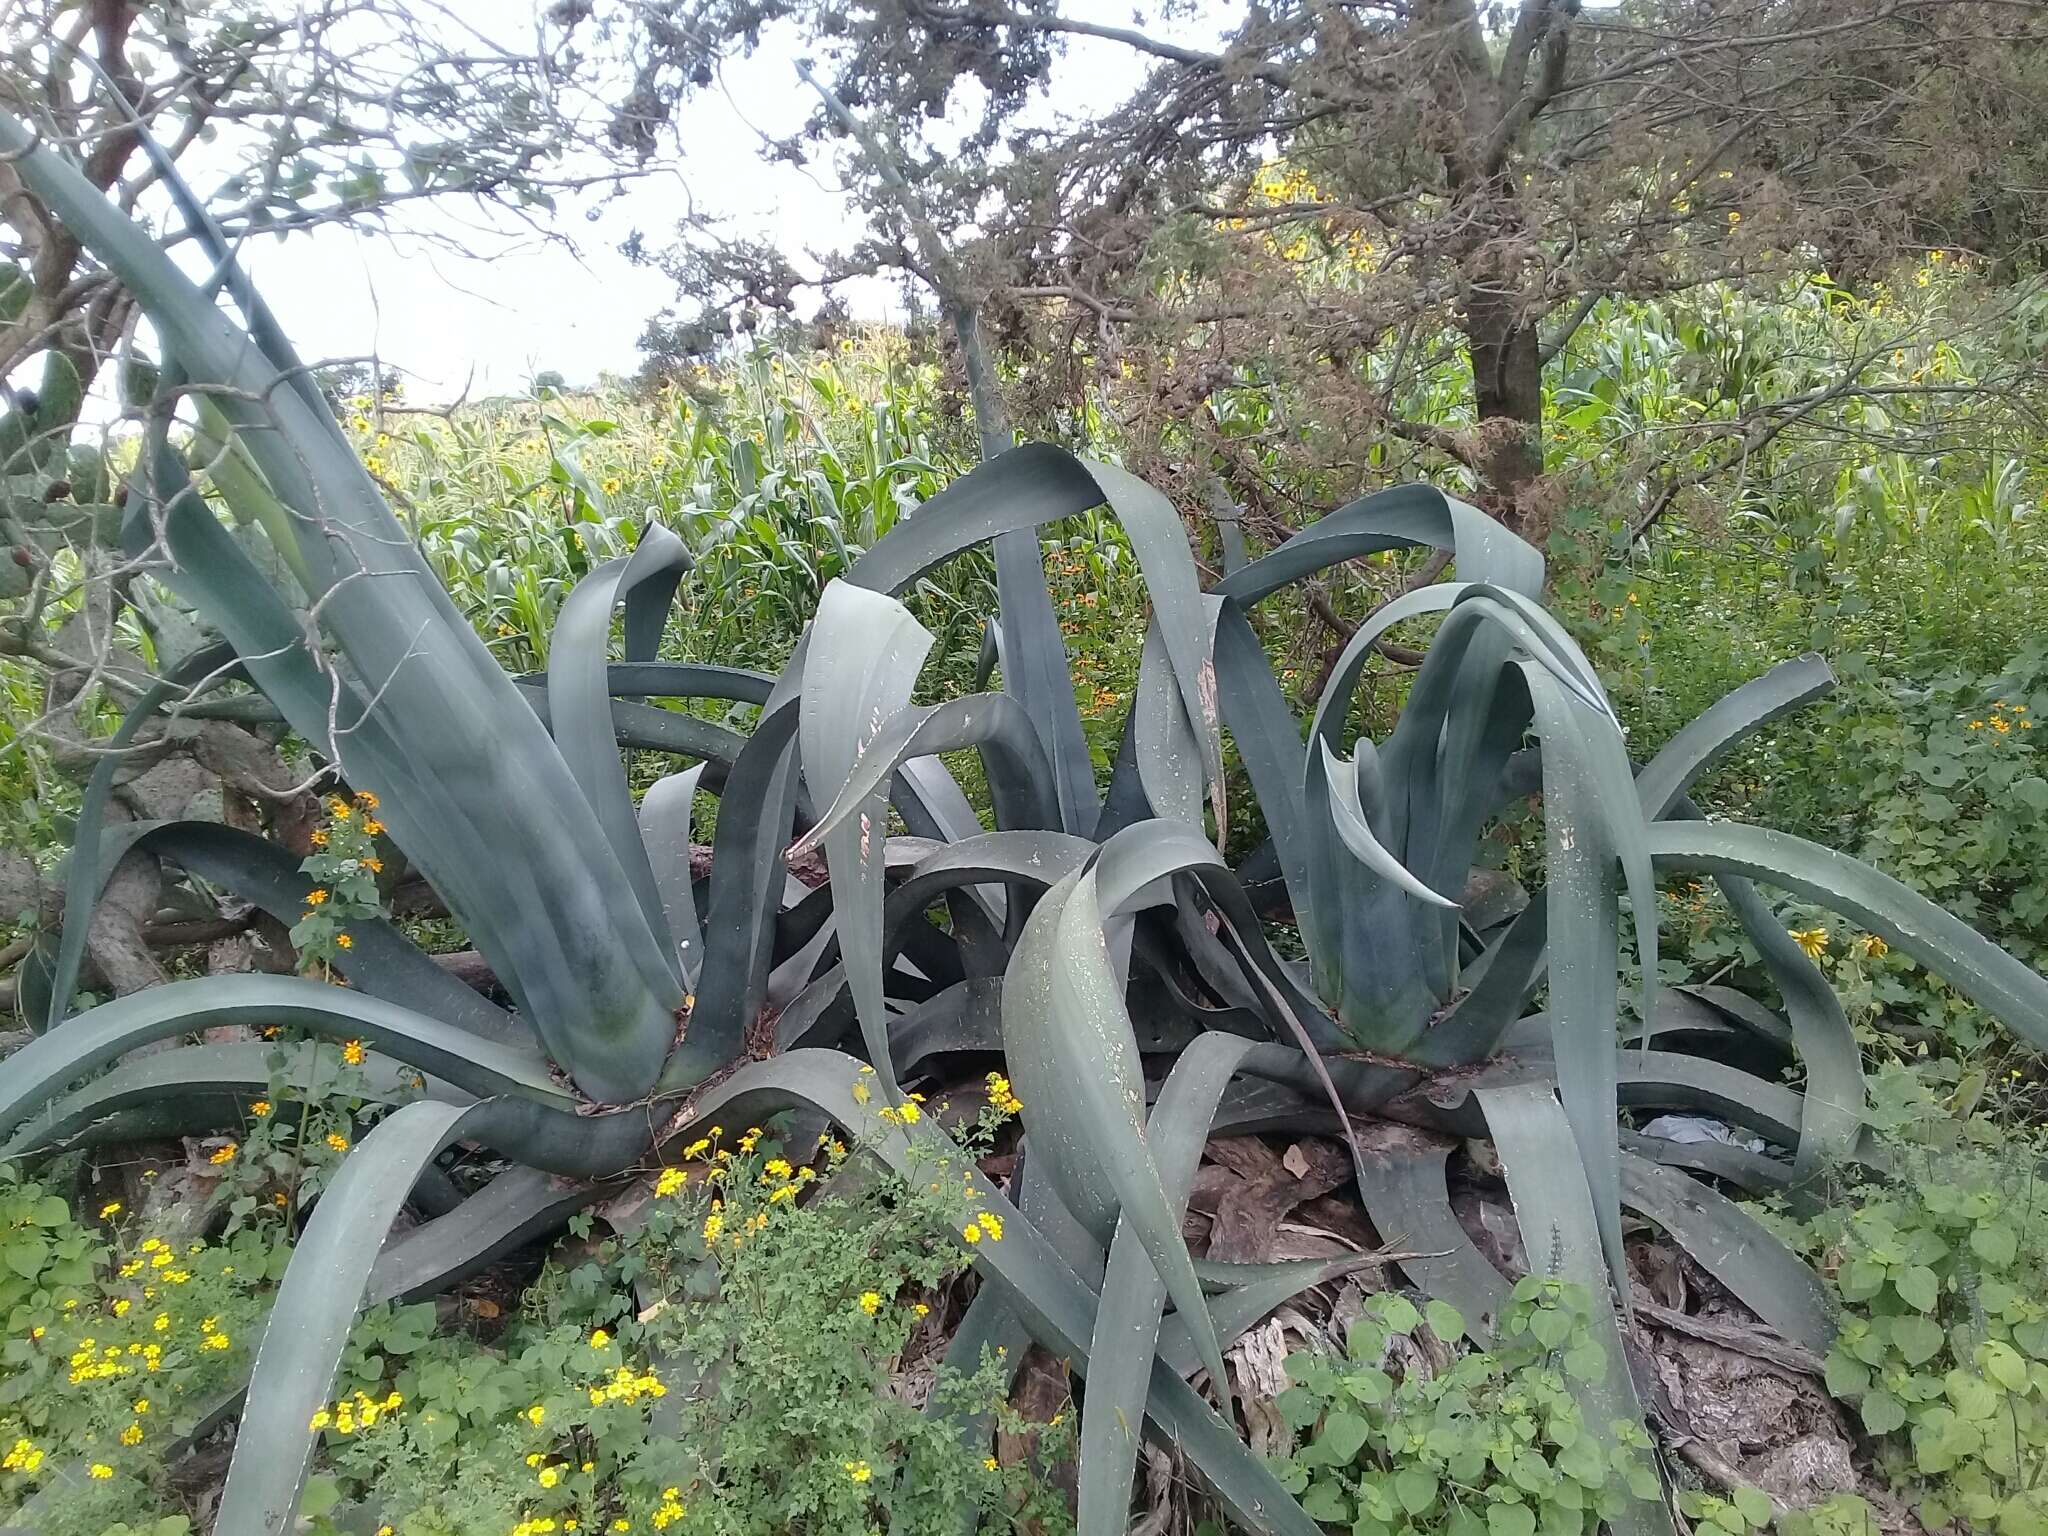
[534, 305]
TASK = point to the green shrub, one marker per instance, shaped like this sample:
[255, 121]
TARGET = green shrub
[756, 1397]
[1490, 1443]
[118, 1344]
[1944, 1346]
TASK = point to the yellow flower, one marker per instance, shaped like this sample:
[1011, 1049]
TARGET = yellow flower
[161, 1325]
[353, 1053]
[971, 1233]
[316, 897]
[132, 1435]
[319, 838]
[778, 1166]
[366, 800]
[343, 941]
[215, 1341]
[142, 1405]
[536, 1413]
[1813, 940]
[992, 1224]
[910, 1112]
[922, 1310]
[671, 1182]
[870, 1302]
[713, 1224]
[860, 1092]
[697, 1148]
[111, 1208]
[374, 866]
[121, 1307]
[1873, 946]
[990, 1462]
[859, 1471]
[100, 1471]
[374, 828]
[337, 1141]
[222, 1155]
[747, 1141]
[549, 1476]
[260, 1108]
[611, 485]
[599, 1338]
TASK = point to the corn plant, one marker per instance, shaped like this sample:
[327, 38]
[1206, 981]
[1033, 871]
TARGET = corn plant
[1099, 944]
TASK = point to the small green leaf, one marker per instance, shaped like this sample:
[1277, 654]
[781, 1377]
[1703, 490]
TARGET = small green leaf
[1395, 1310]
[1995, 1243]
[1917, 1339]
[1326, 1501]
[2004, 1365]
[1917, 1287]
[1445, 1320]
[1882, 1413]
[1342, 1434]
[1416, 1488]
[1510, 1520]
[1754, 1505]
[1847, 1377]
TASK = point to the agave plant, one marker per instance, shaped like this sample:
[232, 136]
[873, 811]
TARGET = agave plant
[1102, 946]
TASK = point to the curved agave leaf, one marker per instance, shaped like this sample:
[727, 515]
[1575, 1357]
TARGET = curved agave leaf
[1737, 1250]
[1405, 1194]
[993, 722]
[579, 696]
[641, 677]
[1946, 945]
[1126, 1335]
[42, 1069]
[660, 730]
[315, 1308]
[1593, 833]
[1561, 1233]
[665, 816]
[1071, 1050]
[1724, 724]
[1268, 741]
[211, 1086]
[83, 880]
[862, 661]
[1402, 518]
[747, 876]
[1015, 493]
[381, 961]
[595, 984]
[1835, 1096]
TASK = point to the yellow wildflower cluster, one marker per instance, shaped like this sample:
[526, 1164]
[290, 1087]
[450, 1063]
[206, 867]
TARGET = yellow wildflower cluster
[669, 1510]
[625, 1385]
[985, 1224]
[2004, 719]
[670, 1183]
[353, 1413]
[23, 1456]
[859, 1471]
[1001, 1098]
[870, 1302]
[92, 1362]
